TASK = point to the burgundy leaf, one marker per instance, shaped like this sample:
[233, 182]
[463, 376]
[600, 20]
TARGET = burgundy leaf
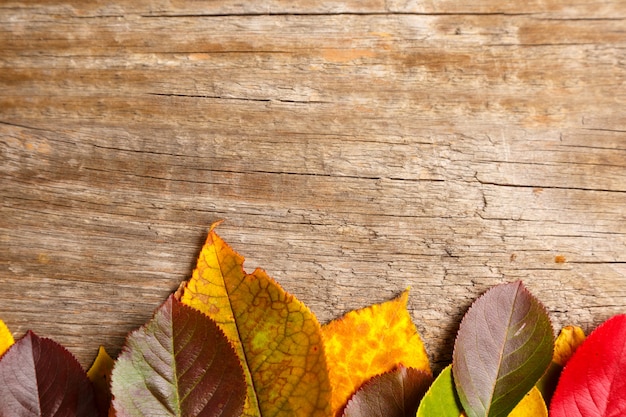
[178, 364]
[39, 377]
[593, 382]
[504, 345]
[393, 394]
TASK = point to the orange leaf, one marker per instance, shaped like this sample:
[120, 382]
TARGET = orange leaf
[570, 338]
[368, 342]
[277, 337]
[6, 338]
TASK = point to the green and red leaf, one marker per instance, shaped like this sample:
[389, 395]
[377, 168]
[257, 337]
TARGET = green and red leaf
[396, 393]
[593, 382]
[39, 377]
[504, 345]
[179, 363]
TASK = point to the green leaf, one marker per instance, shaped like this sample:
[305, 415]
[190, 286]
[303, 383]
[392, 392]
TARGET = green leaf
[178, 364]
[504, 345]
[441, 399]
[393, 394]
[40, 378]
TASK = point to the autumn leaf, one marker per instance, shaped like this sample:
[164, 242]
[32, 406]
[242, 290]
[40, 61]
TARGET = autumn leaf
[368, 342]
[277, 338]
[504, 345]
[6, 338]
[441, 399]
[569, 339]
[532, 405]
[396, 393]
[593, 382]
[100, 376]
[39, 377]
[179, 363]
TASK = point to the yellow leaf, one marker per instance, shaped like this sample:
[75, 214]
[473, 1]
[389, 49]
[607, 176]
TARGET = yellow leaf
[6, 338]
[277, 337]
[532, 405]
[100, 375]
[566, 344]
[368, 342]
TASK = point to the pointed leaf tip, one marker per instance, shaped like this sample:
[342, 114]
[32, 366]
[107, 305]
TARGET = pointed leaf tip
[396, 393]
[441, 399]
[39, 377]
[100, 376]
[593, 382]
[368, 342]
[504, 344]
[179, 363]
[277, 338]
[6, 338]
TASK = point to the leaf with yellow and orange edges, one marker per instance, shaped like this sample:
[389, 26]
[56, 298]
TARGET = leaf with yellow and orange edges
[6, 338]
[368, 342]
[277, 338]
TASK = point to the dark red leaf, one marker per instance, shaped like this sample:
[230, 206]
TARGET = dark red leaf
[504, 345]
[178, 364]
[593, 382]
[393, 394]
[39, 377]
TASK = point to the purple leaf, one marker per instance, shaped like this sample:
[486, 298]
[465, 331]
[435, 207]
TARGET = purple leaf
[179, 363]
[504, 345]
[39, 377]
[393, 394]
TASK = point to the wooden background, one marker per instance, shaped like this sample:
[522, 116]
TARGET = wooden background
[354, 148]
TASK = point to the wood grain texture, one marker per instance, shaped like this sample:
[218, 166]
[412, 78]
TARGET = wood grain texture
[354, 148]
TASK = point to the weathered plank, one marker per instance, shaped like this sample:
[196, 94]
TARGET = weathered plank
[354, 148]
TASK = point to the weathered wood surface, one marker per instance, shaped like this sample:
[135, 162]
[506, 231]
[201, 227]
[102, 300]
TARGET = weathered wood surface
[354, 148]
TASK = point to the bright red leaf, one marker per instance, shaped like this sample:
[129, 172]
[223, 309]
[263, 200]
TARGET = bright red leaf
[39, 377]
[593, 382]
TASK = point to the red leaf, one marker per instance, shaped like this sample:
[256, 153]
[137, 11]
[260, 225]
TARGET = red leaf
[178, 364]
[396, 393]
[593, 382]
[39, 377]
